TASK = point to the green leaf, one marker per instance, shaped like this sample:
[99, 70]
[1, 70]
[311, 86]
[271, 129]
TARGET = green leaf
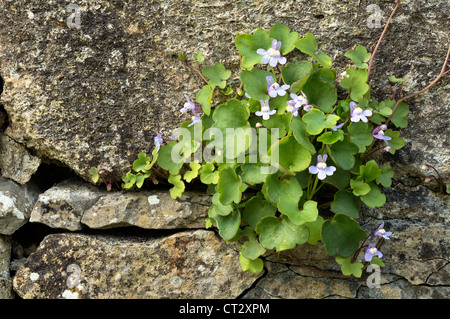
[356, 83]
[142, 163]
[228, 225]
[359, 187]
[280, 234]
[309, 46]
[359, 56]
[254, 266]
[280, 32]
[346, 203]
[204, 97]
[193, 173]
[198, 57]
[255, 83]
[296, 74]
[331, 137]
[178, 186]
[385, 178]
[341, 235]
[396, 141]
[250, 249]
[140, 178]
[208, 175]
[229, 186]
[251, 173]
[400, 114]
[94, 173]
[370, 171]
[340, 179]
[165, 160]
[247, 46]
[316, 121]
[291, 155]
[377, 261]
[217, 75]
[360, 135]
[128, 180]
[315, 228]
[392, 78]
[320, 93]
[274, 188]
[348, 268]
[288, 205]
[298, 128]
[256, 208]
[343, 153]
[374, 198]
[220, 209]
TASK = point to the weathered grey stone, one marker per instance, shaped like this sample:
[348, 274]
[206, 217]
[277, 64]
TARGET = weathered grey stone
[16, 204]
[148, 209]
[193, 264]
[63, 205]
[96, 95]
[74, 204]
[16, 162]
[5, 257]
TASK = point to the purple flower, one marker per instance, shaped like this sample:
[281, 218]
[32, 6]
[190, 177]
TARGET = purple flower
[158, 141]
[292, 108]
[336, 127]
[265, 110]
[195, 119]
[299, 101]
[273, 55]
[189, 106]
[358, 114]
[321, 168]
[275, 89]
[381, 232]
[378, 133]
[372, 251]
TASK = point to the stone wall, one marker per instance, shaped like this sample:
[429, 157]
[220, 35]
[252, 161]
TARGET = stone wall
[75, 97]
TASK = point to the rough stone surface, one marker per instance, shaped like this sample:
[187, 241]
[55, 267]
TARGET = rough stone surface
[186, 265]
[96, 95]
[74, 204]
[63, 205]
[16, 204]
[6, 291]
[16, 162]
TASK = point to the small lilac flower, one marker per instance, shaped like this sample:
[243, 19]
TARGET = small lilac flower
[338, 126]
[158, 141]
[292, 108]
[381, 232]
[275, 89]
[321, 168]
[386, 148]
[273, 55]
[195, 119]
[358, 114]
[265, 110]
[188, 106]
[378, 133]
[372, 251]
[300, 101]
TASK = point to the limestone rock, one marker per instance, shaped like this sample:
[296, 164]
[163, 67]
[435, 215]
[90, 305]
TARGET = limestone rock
[63, 205]
[16, 162]
[97, 92]
[192, 264]
[16, 204]
[148, 209]
[5, 279]
[75, 204]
